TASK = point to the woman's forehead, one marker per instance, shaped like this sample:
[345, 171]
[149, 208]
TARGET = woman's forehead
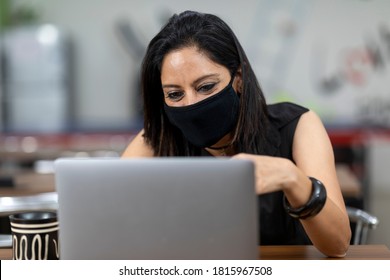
[188, 61]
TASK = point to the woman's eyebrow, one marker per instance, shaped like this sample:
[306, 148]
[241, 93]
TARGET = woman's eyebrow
[200, 79]
[194, 83]
[170, 86]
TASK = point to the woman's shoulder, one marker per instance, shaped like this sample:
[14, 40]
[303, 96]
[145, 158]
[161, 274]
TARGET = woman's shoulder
[138, 147]
[283, 113]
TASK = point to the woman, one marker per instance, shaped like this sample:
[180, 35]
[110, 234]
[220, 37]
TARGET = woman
[201, 98]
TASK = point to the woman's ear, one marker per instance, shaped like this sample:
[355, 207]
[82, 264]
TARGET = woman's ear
[237, 82]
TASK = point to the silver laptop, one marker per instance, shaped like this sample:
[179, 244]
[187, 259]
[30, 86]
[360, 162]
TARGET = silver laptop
[161, 208]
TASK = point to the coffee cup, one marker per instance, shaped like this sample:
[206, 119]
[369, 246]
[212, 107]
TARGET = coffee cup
[35, 235]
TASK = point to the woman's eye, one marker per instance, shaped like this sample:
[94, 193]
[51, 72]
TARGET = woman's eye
[206, 87]
[174, 95]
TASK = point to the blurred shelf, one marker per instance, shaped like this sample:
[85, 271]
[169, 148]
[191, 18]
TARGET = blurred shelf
[28, 182]
[30, 147]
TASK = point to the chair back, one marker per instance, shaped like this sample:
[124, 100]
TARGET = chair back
[363, 221]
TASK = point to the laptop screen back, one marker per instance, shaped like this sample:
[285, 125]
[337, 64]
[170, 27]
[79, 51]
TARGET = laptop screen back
[161, 208]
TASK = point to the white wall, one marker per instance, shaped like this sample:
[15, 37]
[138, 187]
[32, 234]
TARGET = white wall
[294, 46]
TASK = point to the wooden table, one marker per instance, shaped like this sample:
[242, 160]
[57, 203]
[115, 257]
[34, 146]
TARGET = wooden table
[355, 252]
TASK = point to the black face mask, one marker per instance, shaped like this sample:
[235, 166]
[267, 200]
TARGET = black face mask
[207, 121]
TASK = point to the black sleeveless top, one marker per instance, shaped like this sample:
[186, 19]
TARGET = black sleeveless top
[276, 226]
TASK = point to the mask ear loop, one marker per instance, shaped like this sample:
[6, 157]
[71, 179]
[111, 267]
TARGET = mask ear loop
[239, 93]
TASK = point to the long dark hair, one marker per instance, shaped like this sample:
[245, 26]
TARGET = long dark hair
[212, 36]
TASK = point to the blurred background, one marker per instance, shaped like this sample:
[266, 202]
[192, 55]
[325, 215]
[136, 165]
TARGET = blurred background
[69, 81]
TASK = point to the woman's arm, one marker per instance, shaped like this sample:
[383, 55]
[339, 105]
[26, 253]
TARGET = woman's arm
[313, 154]
[138, 147]
[329, 230]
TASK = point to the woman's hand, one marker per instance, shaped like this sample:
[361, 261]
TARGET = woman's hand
[279, 174]
[271, 173]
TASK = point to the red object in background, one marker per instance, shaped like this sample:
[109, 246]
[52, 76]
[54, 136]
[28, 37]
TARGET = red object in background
[356, 136]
